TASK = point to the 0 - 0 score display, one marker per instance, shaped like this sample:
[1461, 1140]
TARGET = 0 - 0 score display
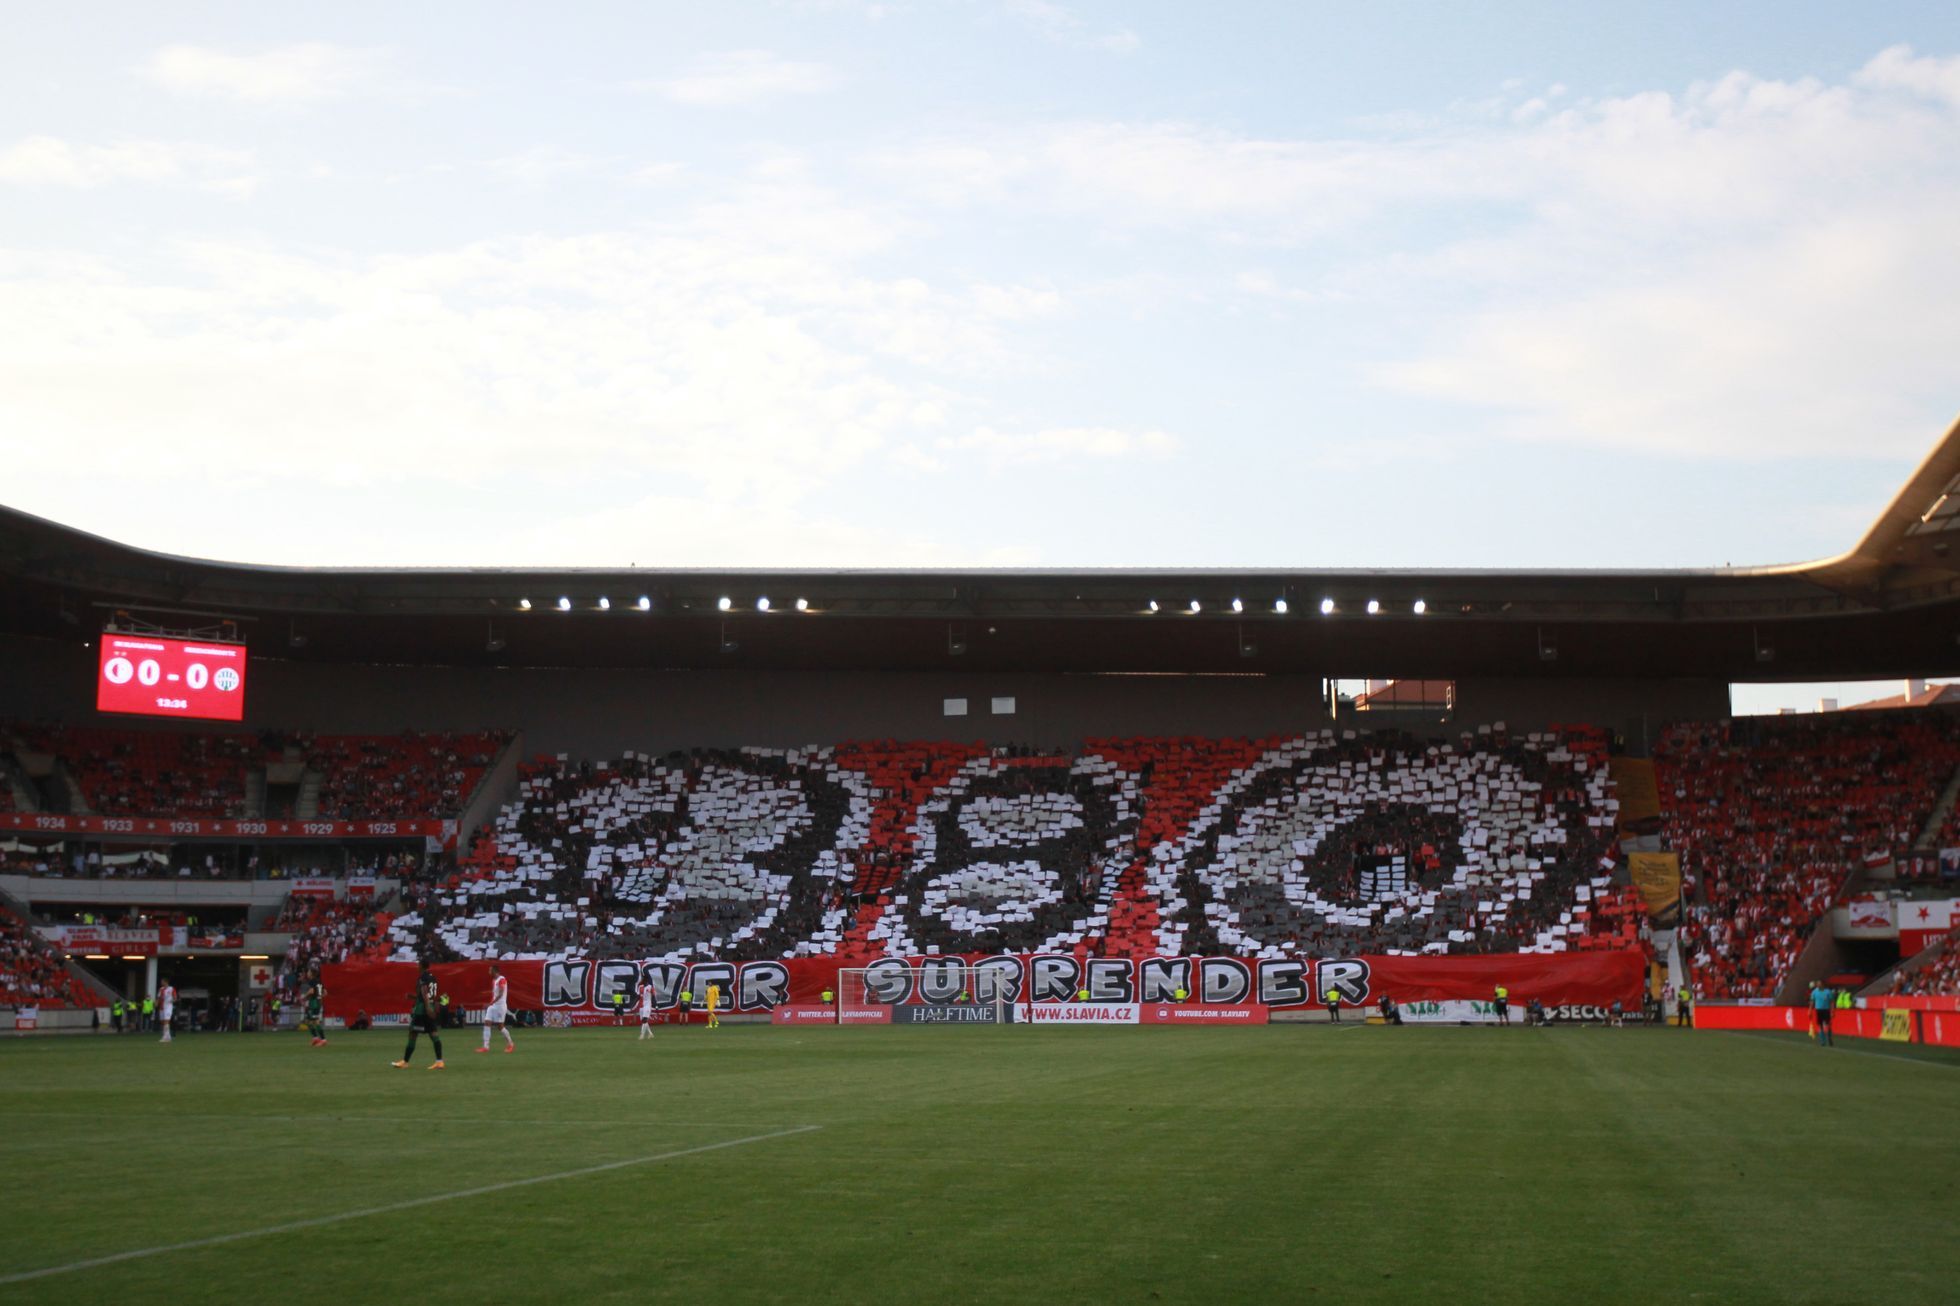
[148, 675]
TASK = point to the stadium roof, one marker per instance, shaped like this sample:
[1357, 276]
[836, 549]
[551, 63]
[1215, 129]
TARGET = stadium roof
[1889, 605]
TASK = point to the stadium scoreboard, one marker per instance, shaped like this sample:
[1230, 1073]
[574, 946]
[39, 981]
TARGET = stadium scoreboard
[149, 675]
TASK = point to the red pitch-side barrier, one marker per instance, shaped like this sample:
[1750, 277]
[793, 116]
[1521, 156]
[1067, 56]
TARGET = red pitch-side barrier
[1917, 1002]
[1940, 1027]
[1908, 1025]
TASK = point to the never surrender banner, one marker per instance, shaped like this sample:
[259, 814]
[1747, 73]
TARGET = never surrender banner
[583, 989]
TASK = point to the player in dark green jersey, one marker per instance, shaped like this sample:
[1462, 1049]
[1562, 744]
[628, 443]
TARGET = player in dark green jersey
[422, 1018]
[315, 1022]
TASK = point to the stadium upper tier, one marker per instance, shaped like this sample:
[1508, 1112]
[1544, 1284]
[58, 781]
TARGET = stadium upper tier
[1330, 842]
[210, 774]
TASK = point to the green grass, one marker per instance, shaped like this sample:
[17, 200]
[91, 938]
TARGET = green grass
[1030, 1165]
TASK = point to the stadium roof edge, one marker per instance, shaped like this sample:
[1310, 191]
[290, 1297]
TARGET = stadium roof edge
[1889, 605]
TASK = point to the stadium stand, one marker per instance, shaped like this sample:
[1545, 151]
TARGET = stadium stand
[409, 775]
[150, 772]
[32, 973]
[1378, 842]
[203, 774]
[1386, 843]
[1939, 975]
[1772, 819]
[1330, 843]
[325, 930]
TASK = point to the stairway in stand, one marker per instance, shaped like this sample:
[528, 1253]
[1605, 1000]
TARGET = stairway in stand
[1929, 833]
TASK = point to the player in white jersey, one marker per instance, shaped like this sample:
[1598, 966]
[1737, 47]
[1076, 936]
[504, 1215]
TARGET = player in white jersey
[166, 1008]
[646, 1011]
[498, 1012]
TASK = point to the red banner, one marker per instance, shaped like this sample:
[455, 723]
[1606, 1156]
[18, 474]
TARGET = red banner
[171, 827]
[583, 989]
[102, 938]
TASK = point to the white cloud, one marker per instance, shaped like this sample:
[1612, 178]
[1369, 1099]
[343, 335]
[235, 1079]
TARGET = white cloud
[1058, 23]
[1828, 340]
[290, 74]
[542, 164]
[1016, 303]
[1746, 267]
[51, 161]
[1176, 175]
[999, 450]
[1897, 68]
[695, 392]
[742, 79]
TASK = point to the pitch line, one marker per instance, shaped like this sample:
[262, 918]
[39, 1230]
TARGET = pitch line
[391, 1207]
[233, 1117]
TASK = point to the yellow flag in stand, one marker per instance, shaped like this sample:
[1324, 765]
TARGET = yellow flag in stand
[1658, 877]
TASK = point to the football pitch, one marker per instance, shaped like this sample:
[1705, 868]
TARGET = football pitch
[758, 1164]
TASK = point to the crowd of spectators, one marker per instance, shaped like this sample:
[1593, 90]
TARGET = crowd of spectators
[32, 974]
[1771, 819]
[151, 772]
[1377, 842]
[84, 860]
[327, 930]
[1388, 843]
[203, 774]
[372, 777]
[739, 852]
[1939, 975]
[1012, 854]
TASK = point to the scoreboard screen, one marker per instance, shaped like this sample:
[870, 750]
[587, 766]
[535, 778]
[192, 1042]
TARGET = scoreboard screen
[147, 675]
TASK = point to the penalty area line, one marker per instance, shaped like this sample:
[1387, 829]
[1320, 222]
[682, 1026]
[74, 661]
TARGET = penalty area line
[316, 1222]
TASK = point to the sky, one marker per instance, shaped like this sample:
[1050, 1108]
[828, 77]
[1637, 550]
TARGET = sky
[977, 282]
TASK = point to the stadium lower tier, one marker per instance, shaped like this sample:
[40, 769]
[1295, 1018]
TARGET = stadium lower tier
[583, 990]
[1318, 845]
[1772, 819]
